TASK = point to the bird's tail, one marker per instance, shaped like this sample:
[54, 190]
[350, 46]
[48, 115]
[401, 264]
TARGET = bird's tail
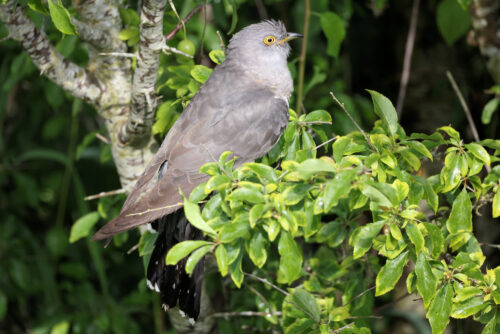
[172, 282]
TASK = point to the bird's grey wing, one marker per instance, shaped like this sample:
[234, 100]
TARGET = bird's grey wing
[253, 121]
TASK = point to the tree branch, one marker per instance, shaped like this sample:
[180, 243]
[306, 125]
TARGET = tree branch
[80, 82]
[178, 27]
[137, 130]
[410, 42]
[98, 38]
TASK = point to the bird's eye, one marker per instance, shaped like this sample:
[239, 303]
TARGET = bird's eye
[269, 40]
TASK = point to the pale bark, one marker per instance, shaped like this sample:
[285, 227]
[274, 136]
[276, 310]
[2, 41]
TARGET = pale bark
[137, 130]
[486, 23]
[80, 82]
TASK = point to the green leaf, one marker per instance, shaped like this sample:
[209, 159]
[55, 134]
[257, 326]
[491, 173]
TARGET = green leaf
[385, 110]
[245, 194]
[201, 73]
[467, 293]
[234, 230]
[290, 267]
[460, 219]
[147, 243]
[60, 328]
[257, 249]
[222, 259]
[334, 29]
[192, 212]
[362, 240]
[437, 238]
[420, 148]
[426, 281]
[318, 116]
[339, 187]
[496, 205]
[182, 249]
[466, 308]
[217, 56]
[380, 193]
[37, 6]
[453, 21]
[489, 109]
[197, 255]
[314, 166]
[415, 236]
[61, 18]
[490, 326]
[81, 228]
[390, 273]
[300, 326]
[264, 172]
[236, 272]
[440, 309]
[451, 174]
[305, 301]
[479, 152]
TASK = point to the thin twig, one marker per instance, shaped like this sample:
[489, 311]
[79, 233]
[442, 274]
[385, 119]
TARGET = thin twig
[466, 109]
[102, 138]
[383, 307]
[245, 314]
[177, 15]
[359, 295]
[221, 41]
[489, 245]
[167, 49]
[119, 54]
[105, 194]
[410, 42]
[302, 64]
[4, 38]
[179, 26]
[133, 248]
[326, 142]
[353, 120]
[338, 330]
[265, 281]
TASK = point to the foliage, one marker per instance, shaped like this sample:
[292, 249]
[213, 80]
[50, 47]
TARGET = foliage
[310, 211]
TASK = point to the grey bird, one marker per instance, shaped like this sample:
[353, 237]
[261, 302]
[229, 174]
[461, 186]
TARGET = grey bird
[242, 108]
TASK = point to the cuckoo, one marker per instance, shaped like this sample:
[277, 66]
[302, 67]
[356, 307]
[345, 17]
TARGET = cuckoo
[242, 108]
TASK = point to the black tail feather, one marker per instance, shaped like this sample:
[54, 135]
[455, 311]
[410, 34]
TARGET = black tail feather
[173, 283]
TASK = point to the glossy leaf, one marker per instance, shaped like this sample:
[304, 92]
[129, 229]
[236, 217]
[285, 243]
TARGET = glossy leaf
[460, 219]
[362, 241]
[440, 309]
[195, 257]
[61, 18]
[426, 281]
[82, 227]
[183, 249]
[466, 308]
[192, 212]
[453, 21]
[222, 259]
[290, 267]
[385, 110]
[390, 274]
[305, 301]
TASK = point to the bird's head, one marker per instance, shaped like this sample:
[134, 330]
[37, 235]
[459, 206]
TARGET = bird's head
[265, 42]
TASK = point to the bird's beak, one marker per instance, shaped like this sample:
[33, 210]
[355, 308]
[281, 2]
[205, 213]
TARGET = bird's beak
[290, 36]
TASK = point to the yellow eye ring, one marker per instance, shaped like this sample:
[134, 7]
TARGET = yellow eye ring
[269, 40]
